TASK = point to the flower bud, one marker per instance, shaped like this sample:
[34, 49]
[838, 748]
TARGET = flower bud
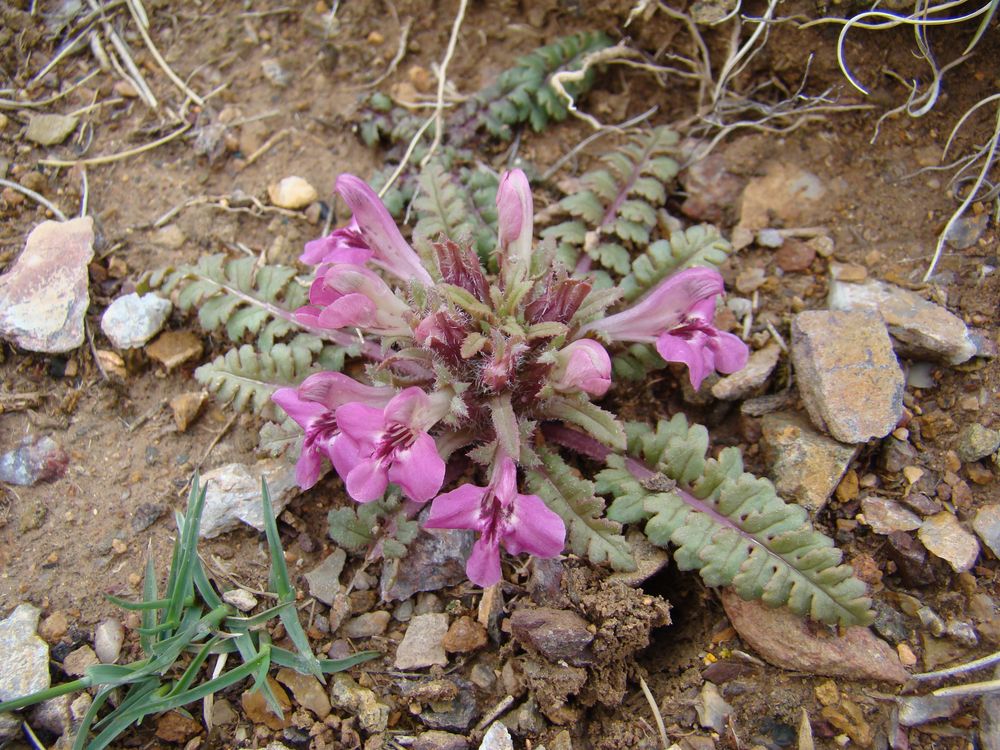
[583, 365]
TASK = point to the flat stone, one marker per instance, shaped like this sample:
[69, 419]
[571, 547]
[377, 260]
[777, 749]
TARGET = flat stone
[324, 579]
[174, 348]
[24, 657]
[987, 525]
[976, 442]
[186, 407]
[795, 256]
[438, 740]
[788, 641]
[464, 635]
[967, 230]
[45, 294]
[366, 625]
[422, 646]
[712, 708]
[292, 193]
[51, 129]
[234, 495]
[944, 536]
[497, 738]
[805, 465]
[53, 715]
[434, 560]
[77, 661]
[847, 373]
[131, 320]
[10, 727]
[786, 194]
[454, 715]
[170, 237]
[921, 329]
[242, 599]
[176, 728]
[345, 693]
[886, 516]
[989, 718]
[256, 708]
[109, 635]
[745, 382]
[557, 634]
[307, 691]
[36, 459]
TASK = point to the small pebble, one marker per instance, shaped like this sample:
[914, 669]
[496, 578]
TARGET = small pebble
[109, 635]
[906, 656]
[292, 193]
[186, 408]
[242, 599]
[848, 272]
[375, 38]
[795, 256]
[421, 79]
[37, 459]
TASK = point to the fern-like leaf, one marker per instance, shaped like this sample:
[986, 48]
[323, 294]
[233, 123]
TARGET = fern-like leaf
[615, 208]
[589, 534]
[700, 245]
[245, 378]
[730, 525]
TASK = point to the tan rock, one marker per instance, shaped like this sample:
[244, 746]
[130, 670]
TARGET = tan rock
[919, 328]
[50, 129]
[256, 709]
[174, 348]
[745, 382]
[805, 465]
[307, 691]
[847, 373]
[186, 408]
[944, 536]
[790, 642]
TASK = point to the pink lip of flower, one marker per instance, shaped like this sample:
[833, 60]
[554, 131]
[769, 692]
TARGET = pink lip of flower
[677, 315]
[380, 232]
[501, 515]
[344, 245]
[583, 365]
[378, 446]
[312, 405]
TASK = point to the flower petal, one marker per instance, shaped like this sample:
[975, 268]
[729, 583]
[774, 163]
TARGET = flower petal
[458, 509]
[334, 389]
[405, 406]
[351, 310]
[380, 231]
[367, 481]
[689, 352]
[483, 566]
[364, 424]
[299, 409]
[344, 454]
[308, 469]
[730, 352]
[534, 528]
[419, 469]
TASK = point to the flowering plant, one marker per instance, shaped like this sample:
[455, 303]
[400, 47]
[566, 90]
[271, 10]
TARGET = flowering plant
[476, 364]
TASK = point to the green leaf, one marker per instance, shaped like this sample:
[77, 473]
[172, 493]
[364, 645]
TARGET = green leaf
[731, 526]
[697, 246]
[589, 534]
[600, 424]
[347, 530]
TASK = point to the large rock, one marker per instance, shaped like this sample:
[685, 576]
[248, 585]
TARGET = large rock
[805, 465]
[786, 194]
[745, 382]
[24, 657]
[557, 634]
[920, 328]
[45, 295]
[987, 525]
[233, 495]
[788, 641]
[847, 373]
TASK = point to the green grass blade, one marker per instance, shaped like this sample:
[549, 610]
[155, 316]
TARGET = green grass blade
[83, 731]
[137, 693]
[283, 588]
[204, 586]
[248, 652]
[248, 623]
[150, 594]
[285, 658]
[137, 606]
[184, 582]
[43, 695]
[192, 669]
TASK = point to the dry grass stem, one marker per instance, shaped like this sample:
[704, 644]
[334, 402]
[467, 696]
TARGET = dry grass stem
[657, 716]
[142, 22]
[108, 159]
[404, 37]
[39, 199]
[443, 79]
[15, 104]
[267, 146]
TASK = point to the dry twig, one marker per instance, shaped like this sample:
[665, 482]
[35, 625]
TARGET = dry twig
[109, 158]
[443, 79]
[39, 199]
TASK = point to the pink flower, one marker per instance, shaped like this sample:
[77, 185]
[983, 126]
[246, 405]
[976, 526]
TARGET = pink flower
[378, 446]
[380, 233]
[522, 523]
[515, 220]
[312, 406]
[349, 296]
[677, 315]
[344, 245]
[583, 365]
